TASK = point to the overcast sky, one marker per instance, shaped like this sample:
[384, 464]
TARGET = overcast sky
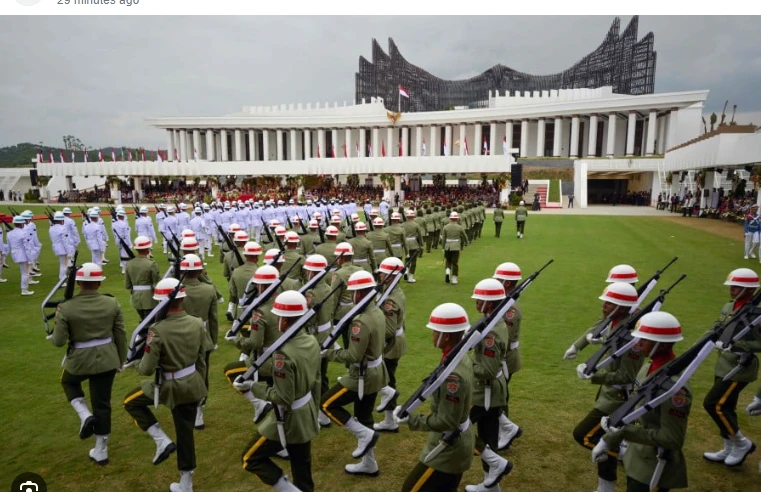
[98, 77]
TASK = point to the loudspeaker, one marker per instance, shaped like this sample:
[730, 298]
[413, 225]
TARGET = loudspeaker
[730, 174]
[516, 175]
[33, 176]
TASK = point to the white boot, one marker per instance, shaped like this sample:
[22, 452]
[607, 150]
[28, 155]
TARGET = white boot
[481, 488]
[99, 454]
[185, 484]
[508, 432]
[741, 448]
[720, 456]
[498, 467]
[446, 276]
[387, 393]
[368, 465]
[261, 407]
[27, 292]
[285, 485]
[366, 438]
[230, 309]
[388, 424]
[86, 418]
[199, 418]
[323, 419]
[411, 278]
[164, 445]
[605, 485]
[454, 279]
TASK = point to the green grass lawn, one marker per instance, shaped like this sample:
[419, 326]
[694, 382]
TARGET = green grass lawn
[40, 428]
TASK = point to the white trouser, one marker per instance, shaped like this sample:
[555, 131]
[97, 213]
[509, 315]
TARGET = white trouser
[97, 257]
[63, 262]
[25, 267]
[751, 242]
[208, 242]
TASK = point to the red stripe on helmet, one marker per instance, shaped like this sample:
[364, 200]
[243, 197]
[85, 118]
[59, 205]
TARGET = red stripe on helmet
[288, 307]
[448, 321]
[166, 292]
[81, 273]
[489, 292]
[509, 272]
[744, 279]
[361, 281]
[621, 297]
[317, 264]
[655, 330]
[623, 275]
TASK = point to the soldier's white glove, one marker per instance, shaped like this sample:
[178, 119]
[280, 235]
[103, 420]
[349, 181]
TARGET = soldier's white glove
[215, 347]
[398, 419]
[594, 341]
[49, 337]
[580, 372]
[324, 353]
[231, 338]
[221, 300]
[724, 348]
[754, 407]
[243, 385]
[600, 452]
[571, 353]
[607, 427]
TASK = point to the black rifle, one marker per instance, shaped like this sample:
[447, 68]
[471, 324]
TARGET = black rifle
[350, 223]
[50, 217]
[137, 210]
[7, 227]
[396, 280]
[369, 222]
[124, 246]
[13, 211]
[84, 214]
[303, 228]
[620, 341]
[231, 245]
[162, 211]
[70, 280]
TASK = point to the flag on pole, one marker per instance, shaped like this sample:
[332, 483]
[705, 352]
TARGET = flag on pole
[52, 159]
[446, 148]
[100, 155]
[318, 151]
[176, 155]
[467, 151]
[369, 149]
[504, 145]
[333, 151]
[158, 156]
[60, 154]
[404, 92]
[86, 159]
[39, 155]
[345, 151]
[424, 151]
[195, 154]
[129, 153]
[113, 154]
[486, 147]
[356, 148]
[400, 148]
[142, 154]
[122, 154]
[73, 157]
[383, 149]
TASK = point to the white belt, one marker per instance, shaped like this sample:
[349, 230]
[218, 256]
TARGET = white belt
[400, 331]
[514, 345]
[411, 239]
[346, 303]
[396, 245]
[624, 387]
[372, 363]
[301, 401]
[324, 327]
[464, 426]
[361, 260]
[91, 343]
[499, 374]
[169, 376]
[453, 240]
[137, 288]
[379, 251]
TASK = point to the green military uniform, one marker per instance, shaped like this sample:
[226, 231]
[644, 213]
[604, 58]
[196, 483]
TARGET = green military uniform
[381, 244]
[328, 250]
[201, 302]
[721, 400]
[296, 371]
[223, 250]
[481, 218]
[450, 407]
[489, 377]
[438, 221]
[344, 302]
[347, 233]
[320, 326]
[453, 239]
[365, 348]
[177, 347]
[306, 244]
[398, 239]
[616, 383]
[364, 257]
[520, 219]
[513, 319]
[314, 237]
[238, 283]
[466, 222]
[499, 217]
[413, 236]
[395, 309]
[93, 326]
[140, 277]
[291, 256]
[420, 221]
[430, 228]
[662, 427]
[231, 263]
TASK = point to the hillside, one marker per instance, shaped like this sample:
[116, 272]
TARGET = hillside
[21, 155]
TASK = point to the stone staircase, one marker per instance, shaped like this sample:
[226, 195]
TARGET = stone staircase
[543, 190]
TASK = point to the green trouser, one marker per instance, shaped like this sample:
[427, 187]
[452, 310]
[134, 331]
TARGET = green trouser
[497, 228]
[506, 408]
[100, 396]
[721, 405]
[137, 404]
[453, 261]
[413, 263]
[257, 460]
[391, 365]
[480, 226]
[436, 237]
[520, 226]
[428, 242]
[337, 397]
[635, 486]
[425, 479]
[143, 313]
[487, 428]
[588, 434]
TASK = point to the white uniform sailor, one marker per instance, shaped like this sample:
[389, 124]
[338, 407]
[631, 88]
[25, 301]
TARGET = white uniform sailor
[161, 215]
[22, 252]
[95, 237]
[71, 229]
[198, 227]
[171, 224]
[183, 217]
[62, 247]
[4, 252]
[121, 229]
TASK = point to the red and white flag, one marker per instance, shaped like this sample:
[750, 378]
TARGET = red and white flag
[446, 148]
[486, 147]
[39, 156]
[129, 153]
[318, 151]
[467, 151]
[424, 150]
[195, 154]
[60, 154]
[176, 155]
[403, 91]
[346, 152]
[370, 149]
[333, 151]
[356, 148]
[400, 148]
[100, 155]
[86, 159]
[383, 149]
[142, 155]
[504, 145]
[52, 159]
[158, 156]
[113, 155]
[73, 157]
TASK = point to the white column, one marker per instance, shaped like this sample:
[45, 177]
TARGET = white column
[390, 142]
[196, 143]
[611, 147]
[524, 138]
[266, 144]
[138, 184]
[279, 144]
[334, 150]
[170, 145]
[574, 151]
[321, 151]
[557, 137]
[292, 151]
[362, 142]
[509, 135]
[493, 138]
[592, 136]
[209, 145]
[462, 140]
[448, 139]
[662, 137]
[252, 145]
[651, 127]
[375, 143]
[433, 145]
[670, 139]
[177, 143]
[418, 141]
[238, 140]
[630, 133]
[348, 142]
[183, 145]
[478, 140]
[540, 131]
[223, 141]
[580, 182]
[307, 143]
[405, 141]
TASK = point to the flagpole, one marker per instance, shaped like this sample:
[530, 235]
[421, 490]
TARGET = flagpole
[399, 102]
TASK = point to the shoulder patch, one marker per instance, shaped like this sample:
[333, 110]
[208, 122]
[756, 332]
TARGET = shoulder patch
[679, 400]
[453, 386]
[333, 278]
[279, 361]
[489, 340]
[510, 314]
[356, 327]
[149, 338]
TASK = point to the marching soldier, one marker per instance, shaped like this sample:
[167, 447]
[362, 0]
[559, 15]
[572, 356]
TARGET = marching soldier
[453, 238]
[121, 228]
[395, 309]
[345, 270]
[171, 223]
[95, 237]
[141, 276]
[5, 250]
[754, 407]
[243, 274]
[93, 327]
[62, 246]
[341, 237]
[721, 400]
[161, 216]
[520, 219]
[365, 377]
[364, 257]
[489, 388]
[658, 436]
[71, 228]
[296, 371]
[414, 235]
[36, 247]
[438, 218]
[231, 259]
[198, 225]
[616, 381]
[450, 408]
[430, 228]
[314, 234]
[397, 237]
[622, 273]
[175, 350]
[144, 225]
[292, 255]
[499, 217]
[232, 229]
[508, 275]
[380, 241]
[22, 253]
[201, 303]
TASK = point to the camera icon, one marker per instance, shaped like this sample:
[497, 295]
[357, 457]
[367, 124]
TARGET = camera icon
[29, 482]
[29, 486]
